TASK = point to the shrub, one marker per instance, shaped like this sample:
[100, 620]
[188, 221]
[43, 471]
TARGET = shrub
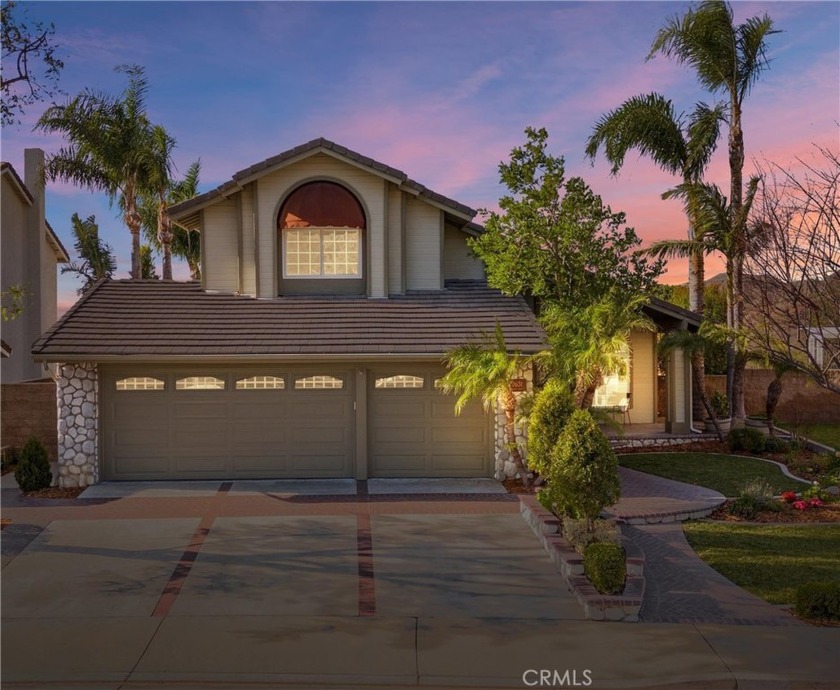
[580, 536]
[772, 444]
[816, 491]
[8, 457]
[756, 497]
[818, 601]
[751, 440]
[583, 475]
[605, 567]
[553, 406]
[33, 468]
[720, 405]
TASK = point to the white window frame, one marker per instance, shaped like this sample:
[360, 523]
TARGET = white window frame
[199, 383]
[319, 382]
[399, 382]
[260, 382]
[133, 384]
[322, 276]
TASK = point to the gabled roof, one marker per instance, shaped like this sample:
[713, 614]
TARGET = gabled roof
[164, 320]
[186, 209]
[659, 308]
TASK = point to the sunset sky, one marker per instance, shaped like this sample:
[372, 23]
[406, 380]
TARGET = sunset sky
[440, 90]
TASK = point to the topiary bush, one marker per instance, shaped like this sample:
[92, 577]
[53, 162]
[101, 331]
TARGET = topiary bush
[751, 440]
[818, 601]
[605, 566]
[33, 467]
[553, 406]
[583, 475]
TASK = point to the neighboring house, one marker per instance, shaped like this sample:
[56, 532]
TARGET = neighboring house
[30, 254]
[332, 285]
[824, 347]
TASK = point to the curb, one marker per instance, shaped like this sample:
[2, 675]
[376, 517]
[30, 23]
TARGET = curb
[569, 563]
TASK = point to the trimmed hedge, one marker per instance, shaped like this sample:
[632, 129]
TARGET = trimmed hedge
[33, 468]
[818, 601]
[604, 564]
[553, 406]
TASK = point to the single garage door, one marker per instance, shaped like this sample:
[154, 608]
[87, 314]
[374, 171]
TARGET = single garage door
[414, 432]
[217, 423]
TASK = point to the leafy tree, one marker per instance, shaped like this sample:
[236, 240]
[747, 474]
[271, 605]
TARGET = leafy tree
[109, 147]
[727, 59]
[485, 370]
[554, 238]
[14, 296]
[184, 244]
[31, 67]
[33, 467]
[96, 258]
[583, 477]
[153, 198]
[147, 263]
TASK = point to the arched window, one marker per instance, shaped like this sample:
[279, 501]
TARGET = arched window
[322, 227]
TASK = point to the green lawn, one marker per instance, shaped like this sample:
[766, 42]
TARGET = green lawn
[827, 434]
[724, 473]
[770, 561]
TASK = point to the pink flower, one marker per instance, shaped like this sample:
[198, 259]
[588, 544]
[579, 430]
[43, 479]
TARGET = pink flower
[815, 502]
[800, 505]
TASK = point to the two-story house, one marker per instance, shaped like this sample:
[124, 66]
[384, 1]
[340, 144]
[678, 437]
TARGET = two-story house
[332, 286]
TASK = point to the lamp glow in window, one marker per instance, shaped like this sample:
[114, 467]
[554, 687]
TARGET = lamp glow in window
[199, 383]
[322, 252]
[614, 392]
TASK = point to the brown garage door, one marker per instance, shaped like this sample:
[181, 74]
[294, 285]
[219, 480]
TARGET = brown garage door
[414, 432]
[216, 423]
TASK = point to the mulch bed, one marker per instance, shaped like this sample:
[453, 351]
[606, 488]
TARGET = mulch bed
[55, 492]
[829, 512]
[515, 486]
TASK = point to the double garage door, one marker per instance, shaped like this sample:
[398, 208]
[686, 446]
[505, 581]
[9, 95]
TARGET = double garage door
[236, 423]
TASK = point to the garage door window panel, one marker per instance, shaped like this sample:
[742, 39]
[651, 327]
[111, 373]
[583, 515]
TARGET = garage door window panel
[140, 383]
[399, 381]
[319, 382]
[199, 383]
[256, 383]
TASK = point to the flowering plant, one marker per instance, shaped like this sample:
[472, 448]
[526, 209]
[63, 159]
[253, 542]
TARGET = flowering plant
[800, 505]
[789, 496]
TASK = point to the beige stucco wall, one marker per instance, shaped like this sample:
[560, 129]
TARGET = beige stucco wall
[396, 240]
[643, 377]
[458, 262]
[423, 246]
[247, 262]
[221, 250]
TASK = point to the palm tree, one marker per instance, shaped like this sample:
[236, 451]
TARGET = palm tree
[681, 147]
[728, 59]
[147, 263]
[96, 258]
[485, 370]
[590, 343]
[153, 196]
[184, 243]
[108, 147]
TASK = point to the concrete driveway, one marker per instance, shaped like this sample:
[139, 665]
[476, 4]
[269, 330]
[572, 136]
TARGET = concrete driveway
[228, 588]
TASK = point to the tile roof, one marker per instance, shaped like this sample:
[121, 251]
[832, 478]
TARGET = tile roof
[179, 211]
[151, 318]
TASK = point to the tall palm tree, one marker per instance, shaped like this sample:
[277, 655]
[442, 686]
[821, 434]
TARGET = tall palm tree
[485, 370]
[590, 343]
[153, 197]
[184, 243]
[108, 147]
[96, 258]
[726, 59]
[649, 124]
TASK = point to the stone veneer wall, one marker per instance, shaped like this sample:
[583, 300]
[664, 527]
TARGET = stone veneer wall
[78, 425]
[504, 465]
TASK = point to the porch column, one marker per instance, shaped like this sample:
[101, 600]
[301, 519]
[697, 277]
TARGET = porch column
[678, 410]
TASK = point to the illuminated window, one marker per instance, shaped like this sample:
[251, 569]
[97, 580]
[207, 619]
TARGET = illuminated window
[321, 226]
[318, 383]
[254, 383]
[399, 381]
[199, 383]
[139, 383]
[614, 392]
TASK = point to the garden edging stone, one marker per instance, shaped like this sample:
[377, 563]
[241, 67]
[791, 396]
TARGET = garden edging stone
[569, 563]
